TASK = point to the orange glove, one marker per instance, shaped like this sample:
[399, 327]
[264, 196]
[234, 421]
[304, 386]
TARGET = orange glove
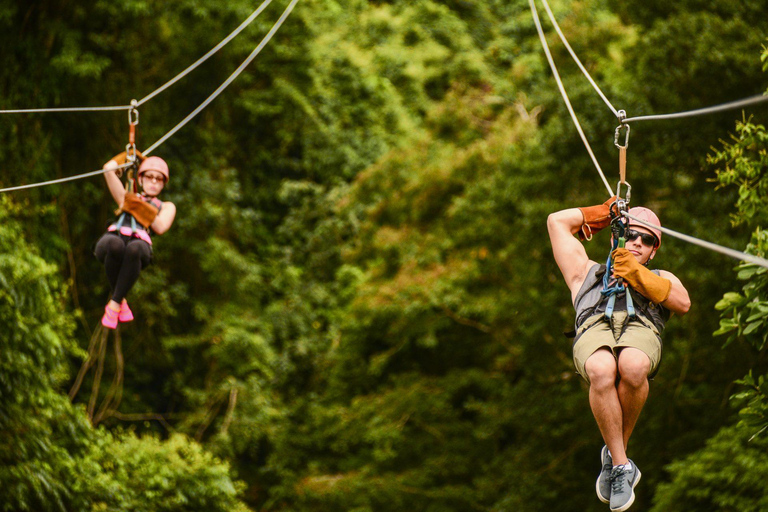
[122, 158]
[595, 219]
[142, 211]
[649, 285]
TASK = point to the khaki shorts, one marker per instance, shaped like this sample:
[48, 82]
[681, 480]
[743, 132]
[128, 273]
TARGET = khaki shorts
[596, 333]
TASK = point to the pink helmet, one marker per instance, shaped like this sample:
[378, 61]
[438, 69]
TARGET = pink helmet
[648, 216]
[154, 163]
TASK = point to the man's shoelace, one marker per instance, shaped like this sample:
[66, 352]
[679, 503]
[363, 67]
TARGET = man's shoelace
[617, 479]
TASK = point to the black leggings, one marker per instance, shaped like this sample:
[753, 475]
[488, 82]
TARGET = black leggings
[123, 257]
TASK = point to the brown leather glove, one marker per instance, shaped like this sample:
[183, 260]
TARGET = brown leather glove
[122, 158]
[142, 211]
[595, 218]
[649, 285]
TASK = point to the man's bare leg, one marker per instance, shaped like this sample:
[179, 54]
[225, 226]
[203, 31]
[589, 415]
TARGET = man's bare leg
[633, 388]
[601, 368]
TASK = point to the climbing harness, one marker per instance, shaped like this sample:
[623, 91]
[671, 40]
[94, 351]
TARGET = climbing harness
[619, 225]
[126, 212]
[613, 287]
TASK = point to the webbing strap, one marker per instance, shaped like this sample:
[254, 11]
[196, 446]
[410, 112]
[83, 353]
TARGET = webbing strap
[609, 307]
[623, 164]
[630, 304]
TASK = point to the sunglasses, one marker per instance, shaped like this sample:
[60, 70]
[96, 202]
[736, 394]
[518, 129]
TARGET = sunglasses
[647, 239]
[154, 178]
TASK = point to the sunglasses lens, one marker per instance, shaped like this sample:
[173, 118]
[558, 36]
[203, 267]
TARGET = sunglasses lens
[645, 238]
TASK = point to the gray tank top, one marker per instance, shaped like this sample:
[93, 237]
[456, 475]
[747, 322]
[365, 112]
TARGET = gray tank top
[589, 301]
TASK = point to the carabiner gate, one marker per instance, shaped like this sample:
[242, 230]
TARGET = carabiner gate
[617, 134]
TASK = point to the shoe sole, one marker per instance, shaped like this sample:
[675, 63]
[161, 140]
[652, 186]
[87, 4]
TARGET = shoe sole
[597, 484]
[631, 496]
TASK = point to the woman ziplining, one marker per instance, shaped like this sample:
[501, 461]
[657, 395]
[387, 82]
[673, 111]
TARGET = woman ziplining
[126, 248]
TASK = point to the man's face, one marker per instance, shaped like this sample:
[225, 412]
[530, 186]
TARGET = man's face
[638, 247]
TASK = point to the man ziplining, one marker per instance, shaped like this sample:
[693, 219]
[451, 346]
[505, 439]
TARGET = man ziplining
[618, 345]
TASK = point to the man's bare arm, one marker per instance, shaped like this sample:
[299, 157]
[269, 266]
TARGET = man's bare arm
[678, 301]
[569, 254]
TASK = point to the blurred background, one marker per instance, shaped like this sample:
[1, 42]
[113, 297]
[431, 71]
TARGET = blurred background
[357, 308]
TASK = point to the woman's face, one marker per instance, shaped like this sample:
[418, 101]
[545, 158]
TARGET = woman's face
[152, 183]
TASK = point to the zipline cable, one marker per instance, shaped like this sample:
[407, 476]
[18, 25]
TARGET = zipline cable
[760, 98]
[205, 57]
[229, 80]
[160, 89]
[560, 86]
[165, 137]
[64, 109]
[576, 58]
[62, 180]
[750, 258]
[677, 115]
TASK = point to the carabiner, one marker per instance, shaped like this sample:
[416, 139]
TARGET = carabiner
[133, 113]
[626, 199]
[618, 133]
[133, 120]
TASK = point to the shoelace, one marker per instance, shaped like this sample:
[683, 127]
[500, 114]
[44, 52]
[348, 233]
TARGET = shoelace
[617, 479]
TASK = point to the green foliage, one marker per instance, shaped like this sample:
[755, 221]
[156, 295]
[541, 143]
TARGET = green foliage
[146, 475]
[51, 459]
[744, 164]
[728, 474]
[356, 306]
[745, 314]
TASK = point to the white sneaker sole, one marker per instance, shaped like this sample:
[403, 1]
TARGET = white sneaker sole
[597, 484]
[631, 496]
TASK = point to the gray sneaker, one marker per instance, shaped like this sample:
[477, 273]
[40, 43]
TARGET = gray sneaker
[623, 482]
[603, 485]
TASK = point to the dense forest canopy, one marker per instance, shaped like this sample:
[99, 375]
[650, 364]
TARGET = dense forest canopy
[357, 307]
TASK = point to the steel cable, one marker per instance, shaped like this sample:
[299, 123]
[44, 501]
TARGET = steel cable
[160, 89]
[62, 180]
[229, 80]
[205, 57]
[576, 58]
[165, 137]
[560, 86]
[65, 109]
[703, 111]
[703, 243]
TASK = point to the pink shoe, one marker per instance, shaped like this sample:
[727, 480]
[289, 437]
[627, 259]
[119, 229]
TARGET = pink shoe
[109, 319]
[126, 315]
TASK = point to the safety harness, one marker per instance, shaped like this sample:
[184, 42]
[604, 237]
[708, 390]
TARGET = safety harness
[137, 209]
[611, 286]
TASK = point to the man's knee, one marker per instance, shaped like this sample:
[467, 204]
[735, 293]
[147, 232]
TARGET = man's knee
[601, 369]
[634, 366]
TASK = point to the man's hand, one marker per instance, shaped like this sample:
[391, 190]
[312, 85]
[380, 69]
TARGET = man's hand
[649, 285]
[595, 218]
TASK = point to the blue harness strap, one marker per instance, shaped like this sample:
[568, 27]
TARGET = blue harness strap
[618, 288]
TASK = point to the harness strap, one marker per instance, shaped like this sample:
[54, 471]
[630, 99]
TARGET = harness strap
[630, 305]
[609, 307]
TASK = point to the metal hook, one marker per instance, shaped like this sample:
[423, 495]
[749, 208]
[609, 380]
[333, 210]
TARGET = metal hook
[133, 113]
[622, 203]
[617, 133]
